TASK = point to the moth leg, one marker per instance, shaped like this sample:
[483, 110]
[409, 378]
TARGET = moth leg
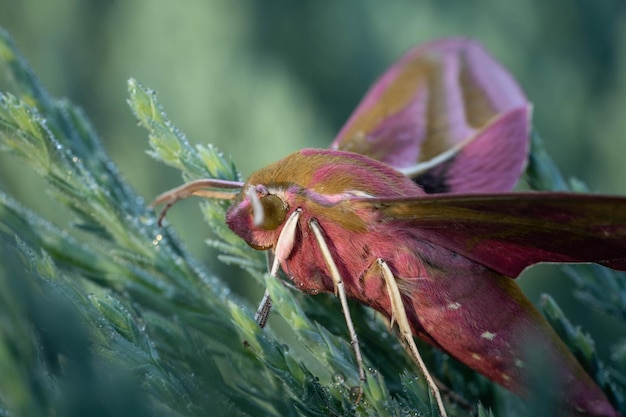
[284, 245]
[269, 262]
[285, 241]
[340, 291]
[398, 313]
[264, 309]
[265, 306]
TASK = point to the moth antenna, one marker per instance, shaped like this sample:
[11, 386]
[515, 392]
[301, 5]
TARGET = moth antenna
[258, 214]
[196, 188]
[340, 291]
[399, 313]
[164, 212]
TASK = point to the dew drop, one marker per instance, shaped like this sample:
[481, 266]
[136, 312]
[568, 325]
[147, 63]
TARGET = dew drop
[146, 220]
[339, 378]
[157, 239]
[355, 393]
[141, 324]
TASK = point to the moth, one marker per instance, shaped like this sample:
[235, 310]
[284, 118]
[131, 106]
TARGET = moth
[412, 213]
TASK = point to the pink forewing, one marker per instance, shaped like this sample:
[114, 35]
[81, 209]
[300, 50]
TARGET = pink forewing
[509, 232]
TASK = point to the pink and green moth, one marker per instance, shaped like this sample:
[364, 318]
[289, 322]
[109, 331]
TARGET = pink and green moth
[412, 213]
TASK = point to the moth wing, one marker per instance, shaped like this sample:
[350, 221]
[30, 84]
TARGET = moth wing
[509, 232]
[491, 161]
[436, 107]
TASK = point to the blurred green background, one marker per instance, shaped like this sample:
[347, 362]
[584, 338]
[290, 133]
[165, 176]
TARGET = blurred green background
[261, 79]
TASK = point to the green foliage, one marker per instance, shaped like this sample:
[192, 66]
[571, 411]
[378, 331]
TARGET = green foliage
[601, 288]
[109, 315]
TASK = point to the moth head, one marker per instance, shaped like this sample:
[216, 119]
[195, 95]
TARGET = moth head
[319, 182]
[257, 214]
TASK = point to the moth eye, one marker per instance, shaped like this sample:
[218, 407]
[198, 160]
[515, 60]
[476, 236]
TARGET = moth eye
[274, 212]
